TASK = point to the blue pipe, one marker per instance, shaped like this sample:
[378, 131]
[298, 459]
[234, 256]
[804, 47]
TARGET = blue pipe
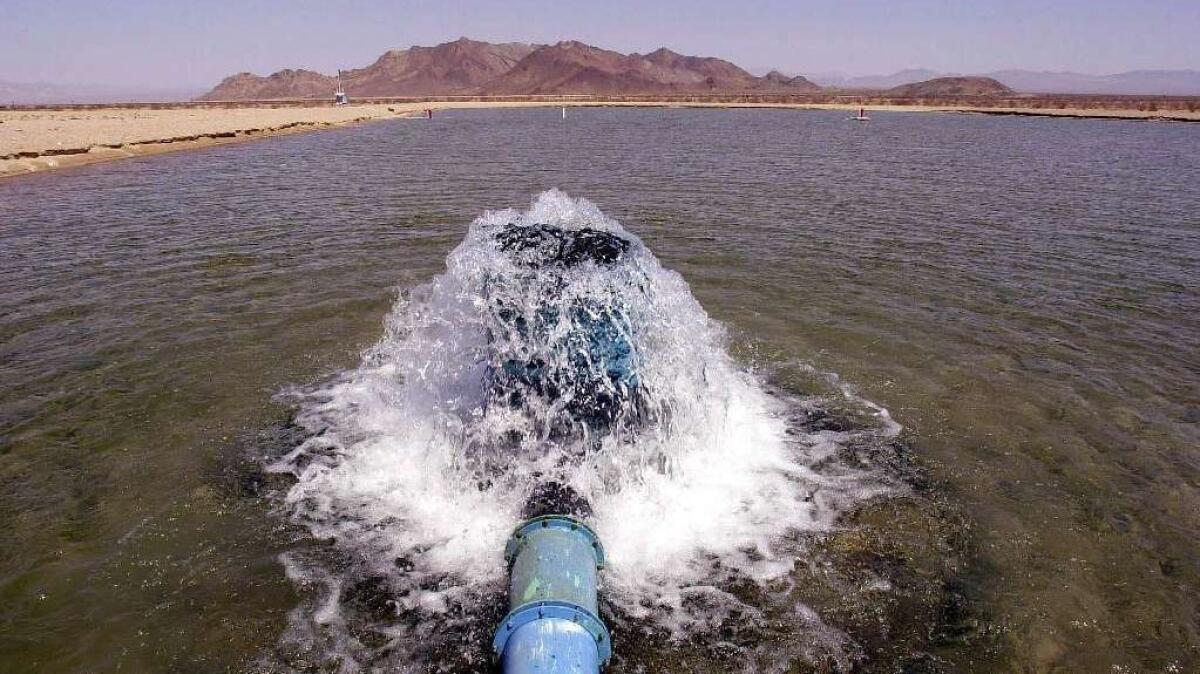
[552, 626]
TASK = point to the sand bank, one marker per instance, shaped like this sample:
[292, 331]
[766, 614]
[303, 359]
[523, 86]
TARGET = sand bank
[39, 140]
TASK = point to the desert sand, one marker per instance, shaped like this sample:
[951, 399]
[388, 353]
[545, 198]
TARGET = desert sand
[39, 140]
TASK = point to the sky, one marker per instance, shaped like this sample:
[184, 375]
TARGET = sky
[173, 43]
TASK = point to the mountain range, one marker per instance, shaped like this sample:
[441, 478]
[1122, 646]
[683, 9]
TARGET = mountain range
[470, 67]
[467, 66]
[1131, 83]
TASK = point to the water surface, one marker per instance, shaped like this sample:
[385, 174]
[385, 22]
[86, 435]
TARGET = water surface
[1019, 293]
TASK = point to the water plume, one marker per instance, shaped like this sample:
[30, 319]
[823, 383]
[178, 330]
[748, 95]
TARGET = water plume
[538, 358]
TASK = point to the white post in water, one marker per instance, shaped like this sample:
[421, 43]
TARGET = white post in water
[564, 112]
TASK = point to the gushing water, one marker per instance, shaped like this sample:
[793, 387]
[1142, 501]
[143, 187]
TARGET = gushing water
[554, 348]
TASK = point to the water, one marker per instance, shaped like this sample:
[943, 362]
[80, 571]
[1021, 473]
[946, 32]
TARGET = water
[1018, 293]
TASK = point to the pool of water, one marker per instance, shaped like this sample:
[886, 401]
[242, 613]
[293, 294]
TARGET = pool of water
[1020, 294]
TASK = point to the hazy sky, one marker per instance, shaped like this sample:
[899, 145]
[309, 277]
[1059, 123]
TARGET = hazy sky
[195, 43]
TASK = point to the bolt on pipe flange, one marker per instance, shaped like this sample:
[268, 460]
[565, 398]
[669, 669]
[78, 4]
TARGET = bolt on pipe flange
[523, 530]
[542, 610]
[553, 625]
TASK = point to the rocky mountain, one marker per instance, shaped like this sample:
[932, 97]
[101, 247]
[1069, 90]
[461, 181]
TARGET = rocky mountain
[283, 84]
[719, 74]
[576, 68]
[777, 80]
[471, 67]
[951, 86]
[460, 67]
[571, 67]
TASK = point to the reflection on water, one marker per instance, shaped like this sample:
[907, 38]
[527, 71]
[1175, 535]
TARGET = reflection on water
[1019, 293]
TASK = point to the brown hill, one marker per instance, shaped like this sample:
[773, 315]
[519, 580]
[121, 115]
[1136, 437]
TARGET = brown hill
[777, 81]
[471, 67]
[706, 70]
[283, 84]
[576, 68]
[723, 76]
[459, 67]
[951, 86]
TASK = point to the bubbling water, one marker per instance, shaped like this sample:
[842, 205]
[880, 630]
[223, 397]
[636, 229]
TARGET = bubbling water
[418, 469]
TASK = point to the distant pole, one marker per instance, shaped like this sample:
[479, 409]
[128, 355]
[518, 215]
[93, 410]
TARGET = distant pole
[564, 112]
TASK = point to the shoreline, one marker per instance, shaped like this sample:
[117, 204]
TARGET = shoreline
[35, 140]
[27, 163]
[48, 140]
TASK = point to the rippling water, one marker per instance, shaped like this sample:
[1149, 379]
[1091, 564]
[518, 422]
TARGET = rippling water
[1020, 293]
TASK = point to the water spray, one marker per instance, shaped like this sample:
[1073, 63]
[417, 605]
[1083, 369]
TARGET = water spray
[553, 556]
[555, 350]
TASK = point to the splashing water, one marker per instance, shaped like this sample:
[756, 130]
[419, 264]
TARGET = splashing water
[538, 358]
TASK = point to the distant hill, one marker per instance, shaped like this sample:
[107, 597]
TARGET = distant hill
[1132, 83]
[951, 86]
[283, 84]
[472, 67]
[459, 67]
[777, 80]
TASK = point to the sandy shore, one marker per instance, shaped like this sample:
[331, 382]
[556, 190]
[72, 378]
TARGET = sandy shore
[39, 140]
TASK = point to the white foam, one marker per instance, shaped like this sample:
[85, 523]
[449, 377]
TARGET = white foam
[400, 464]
